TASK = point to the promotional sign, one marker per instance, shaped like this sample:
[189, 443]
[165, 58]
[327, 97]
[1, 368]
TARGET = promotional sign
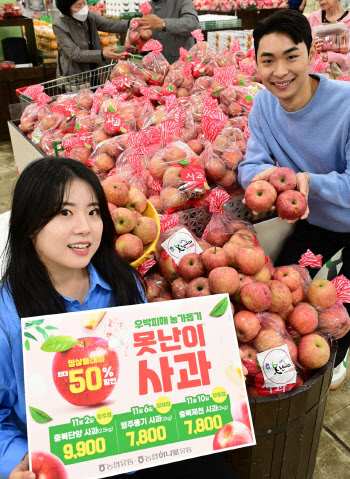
[126, 388]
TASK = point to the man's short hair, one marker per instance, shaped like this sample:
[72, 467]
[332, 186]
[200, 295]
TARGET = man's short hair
[64, 6]
[289, 22]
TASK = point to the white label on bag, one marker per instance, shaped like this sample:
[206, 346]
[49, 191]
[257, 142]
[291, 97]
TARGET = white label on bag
[180, 244]
[277, 367]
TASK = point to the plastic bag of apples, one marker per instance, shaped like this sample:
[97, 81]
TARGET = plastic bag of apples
[138, 36]
[154, 63]
[179, 174]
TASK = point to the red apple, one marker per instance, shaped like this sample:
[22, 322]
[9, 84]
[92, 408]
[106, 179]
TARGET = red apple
[124, 220]
[256, 296]
[231, 435]
[214, 258]
[283, 179]
[321, 293]
[313, 351]
[268, 339]
[281, 296]
[137, 201]
[260, 196]
[243, 280]
[334, 322]
[249, 358]
[247, 325]
[129, 247]
[198, 287]
[47, 466]
[291, 205]
[191, 266]
[303, 318]
[146, 229]
[289, 276]
[178, 288]
[87, 383]
[250, 259]
[263, 275]
[223, 280]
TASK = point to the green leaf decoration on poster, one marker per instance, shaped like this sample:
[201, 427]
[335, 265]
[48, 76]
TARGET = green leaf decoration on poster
[220, 308]
[39, 416]
[50, 327]
[27, 345]
[42, 332]
[28, 335]
[35, 322]
[58, 344]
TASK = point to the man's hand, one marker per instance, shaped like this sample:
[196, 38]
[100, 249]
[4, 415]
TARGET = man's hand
[324, 56]
[151, 22]
[22, 470]
[110, 54]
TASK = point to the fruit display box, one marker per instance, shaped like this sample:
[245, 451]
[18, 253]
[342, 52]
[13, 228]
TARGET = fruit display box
[211, 22]
[122, 7]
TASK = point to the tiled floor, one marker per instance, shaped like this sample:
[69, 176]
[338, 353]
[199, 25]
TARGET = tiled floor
[333, 460]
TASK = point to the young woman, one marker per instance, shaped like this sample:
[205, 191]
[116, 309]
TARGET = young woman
[60, 258]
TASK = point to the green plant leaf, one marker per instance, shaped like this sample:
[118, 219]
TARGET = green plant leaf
[220, 308]
[27, 345]
[58, 344]
[39, 416]
[50, 327]
[28, 335]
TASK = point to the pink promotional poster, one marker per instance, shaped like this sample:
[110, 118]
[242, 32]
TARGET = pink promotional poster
[131, 387]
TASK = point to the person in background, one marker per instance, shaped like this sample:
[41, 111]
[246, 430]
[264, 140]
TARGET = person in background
[79, 46]
[60, 258]
[173, 22]
[292, 122]
[331, 11]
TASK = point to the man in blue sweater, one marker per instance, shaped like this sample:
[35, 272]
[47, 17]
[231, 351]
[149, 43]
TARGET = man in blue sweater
[302, 122]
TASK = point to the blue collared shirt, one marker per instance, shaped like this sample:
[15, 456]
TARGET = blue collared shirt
[13, 437]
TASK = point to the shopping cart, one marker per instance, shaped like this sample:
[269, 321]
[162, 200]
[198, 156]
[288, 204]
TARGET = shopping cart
[90, 80]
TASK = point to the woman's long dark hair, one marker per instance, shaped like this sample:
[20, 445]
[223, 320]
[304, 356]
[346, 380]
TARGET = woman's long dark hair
[38, 197]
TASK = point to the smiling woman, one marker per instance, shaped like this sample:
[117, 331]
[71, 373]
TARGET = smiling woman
[61, 257]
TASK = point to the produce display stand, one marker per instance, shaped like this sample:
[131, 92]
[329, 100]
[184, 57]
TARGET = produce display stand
[287, 429]
[11, 80]
[24, 151]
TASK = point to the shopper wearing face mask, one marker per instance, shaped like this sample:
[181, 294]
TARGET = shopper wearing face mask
[79, 46]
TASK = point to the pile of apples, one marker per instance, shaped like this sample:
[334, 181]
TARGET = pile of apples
[134, 231]
[271, 306]
[280, 191]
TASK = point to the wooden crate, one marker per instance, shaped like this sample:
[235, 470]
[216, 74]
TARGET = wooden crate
[287, 428]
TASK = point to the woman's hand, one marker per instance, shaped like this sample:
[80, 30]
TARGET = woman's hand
[22, 470]
[318, 43]
[110, 54]
[151, 22]
[324, 56]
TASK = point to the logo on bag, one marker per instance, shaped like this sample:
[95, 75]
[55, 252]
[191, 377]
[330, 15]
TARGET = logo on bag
[180, 244]
[277, 367]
